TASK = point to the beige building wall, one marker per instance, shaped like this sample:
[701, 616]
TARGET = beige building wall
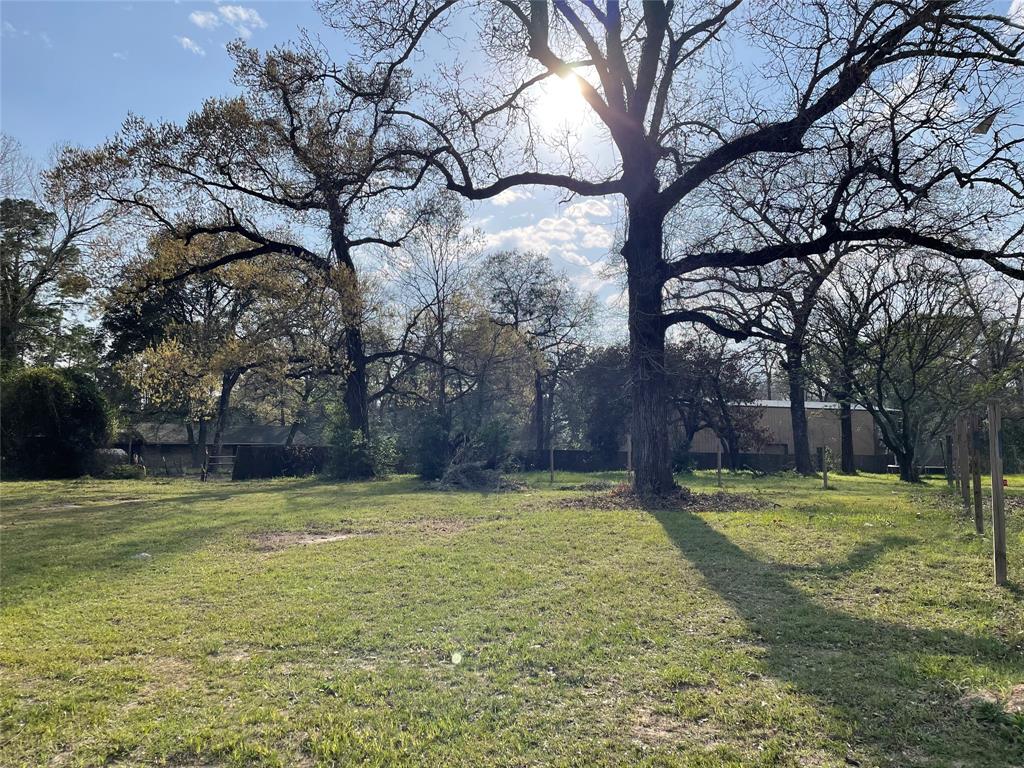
[822, 426]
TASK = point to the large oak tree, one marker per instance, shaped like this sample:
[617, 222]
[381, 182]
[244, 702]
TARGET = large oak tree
[685, 95]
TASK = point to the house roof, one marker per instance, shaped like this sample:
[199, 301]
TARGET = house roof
[812, 405]
[170, 433]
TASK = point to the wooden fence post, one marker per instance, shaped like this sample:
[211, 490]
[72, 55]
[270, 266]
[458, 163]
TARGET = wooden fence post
[551, 461]
[824, 469]
[718, 463]
[995, 452]
[948, 460]
[979, 504]
[964, 452]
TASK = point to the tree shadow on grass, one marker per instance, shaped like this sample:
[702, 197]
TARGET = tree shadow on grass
[892, 685]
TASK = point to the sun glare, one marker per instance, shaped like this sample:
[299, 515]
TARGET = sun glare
[560, 105]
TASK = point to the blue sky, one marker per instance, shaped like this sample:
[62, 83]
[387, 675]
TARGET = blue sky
[72, 71]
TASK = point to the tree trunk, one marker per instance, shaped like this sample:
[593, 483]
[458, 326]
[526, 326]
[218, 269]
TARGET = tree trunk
[357, 406]
[538, 414]
[192, 444]
[652, 459]
[300, 415]
[908, 467]
[733, 448]
[227, 385]
[8, 343]
[847, 460]
[199, 446]
[798, 411]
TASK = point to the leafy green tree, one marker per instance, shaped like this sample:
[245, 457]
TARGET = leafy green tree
[39, 268]
[52, 420]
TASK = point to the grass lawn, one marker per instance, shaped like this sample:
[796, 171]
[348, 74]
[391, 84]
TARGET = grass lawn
[304, 623]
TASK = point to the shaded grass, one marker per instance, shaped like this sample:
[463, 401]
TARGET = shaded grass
[839, 625]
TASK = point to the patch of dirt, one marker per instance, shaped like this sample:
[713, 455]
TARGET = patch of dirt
[1015, 701]
[275, 540]
[623, 497]
[655, 728]
[1012, 703]
[164, 673]
[234, 654]
[971, 700]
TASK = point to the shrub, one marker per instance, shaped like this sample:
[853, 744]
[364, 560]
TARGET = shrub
[431, 451]
[261, 461]
[492, 445]
[125, 472]
[353, 456]
[52, 421]
[682, 461]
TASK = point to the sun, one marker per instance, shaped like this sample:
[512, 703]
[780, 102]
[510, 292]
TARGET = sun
[560, 104]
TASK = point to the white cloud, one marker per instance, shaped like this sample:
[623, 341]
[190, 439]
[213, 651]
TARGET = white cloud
[46, 39]
[190, 45]
[510, 196]
[562, 236]
[1016, 12]
[10, 29]
[242, 20]
[597, 208]
[120, 56]
[204, 19]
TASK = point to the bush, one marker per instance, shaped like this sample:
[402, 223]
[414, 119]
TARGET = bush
[52, 421]
[352, 456]
[682, 461]
[431, 451]
[492, 445]
[263, 461]
[125, 472]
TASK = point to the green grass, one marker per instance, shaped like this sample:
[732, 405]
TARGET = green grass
[840, 625]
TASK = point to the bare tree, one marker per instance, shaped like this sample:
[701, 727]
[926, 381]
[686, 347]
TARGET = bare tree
[909, 336]
[677, 117]
[708, 379]
[774, 303]
[524, 293]
[848, 303]
[437, 273]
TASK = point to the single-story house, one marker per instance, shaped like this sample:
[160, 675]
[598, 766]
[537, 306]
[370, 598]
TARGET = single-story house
[167, 443]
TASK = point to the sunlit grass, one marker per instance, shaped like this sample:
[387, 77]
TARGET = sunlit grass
[840, 624]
